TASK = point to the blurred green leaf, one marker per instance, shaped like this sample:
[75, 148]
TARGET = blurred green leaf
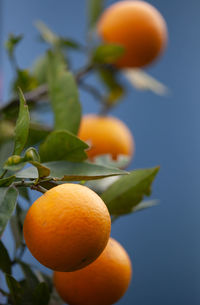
[55, 298]
[69, 43]
[23, 192]
[25, 81]
[22, 126]
[11, 43]
[99, 186]
[115, 89]
[41, 294]
[40, 68]
[107, 160]
[16, 223]
[63, 145]
[7, 181]
[5, 262]
[95, 8]
[73, 171]
[37, 133]
[8, 198]
[46, 34]
[145, 205]
[64, 97]
[107, 53]
[15, 290]
[31, 279]
[6, 150]
[143, 81]
[6, 130]
[128, 191]
[43, 277]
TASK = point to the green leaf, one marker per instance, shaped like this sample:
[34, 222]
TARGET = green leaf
[64, 97]
[43, 277]
[43, 171]
[31, 279]
[95, 8]
[69, 43]
[37, 134]
[6, 131]
[8, 198]
[6, 150]
[99, 186]
[115, 89]
[15, 289]
[128, 191]
[107, 53]
[41, 294]
[40, 68]
[5, 262]
[63, 145]
[16, 229]
[7, 181]
[73, 171]
[55, 298]
[32, 156]
[23, 191]
[106, 160]
[25, 81]
[16, 223]
[11, 43]
[48, 36]
[145, 205]
[22, 126]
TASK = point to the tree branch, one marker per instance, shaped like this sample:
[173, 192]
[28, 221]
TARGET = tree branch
[41, 91]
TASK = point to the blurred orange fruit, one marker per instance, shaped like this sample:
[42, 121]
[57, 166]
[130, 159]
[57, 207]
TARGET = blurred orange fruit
[107, 135]
[67, 228]
[103, 282]
[138, 27]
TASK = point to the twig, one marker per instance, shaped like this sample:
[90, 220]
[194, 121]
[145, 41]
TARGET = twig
[32, 96]
[83, 71]
[23, 183]
[92, 90]
[4, 173]
[4, 292]
[41, 91]
[38, 188]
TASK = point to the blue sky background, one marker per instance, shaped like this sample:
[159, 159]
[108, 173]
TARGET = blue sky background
[163, 242]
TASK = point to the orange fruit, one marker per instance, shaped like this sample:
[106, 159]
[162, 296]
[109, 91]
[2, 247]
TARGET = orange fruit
[67, 228]
[103, 282]
[107, 135]
[138, 27]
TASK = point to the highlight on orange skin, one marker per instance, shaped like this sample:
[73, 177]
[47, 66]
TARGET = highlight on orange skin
[138, 27]
[106, 135]
[103, 282]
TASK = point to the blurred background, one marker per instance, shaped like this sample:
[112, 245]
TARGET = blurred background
[163, 242]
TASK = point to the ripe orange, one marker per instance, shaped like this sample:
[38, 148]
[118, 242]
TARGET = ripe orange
[107, 135]
[103, 282]
[67, 228]
[138, 27]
